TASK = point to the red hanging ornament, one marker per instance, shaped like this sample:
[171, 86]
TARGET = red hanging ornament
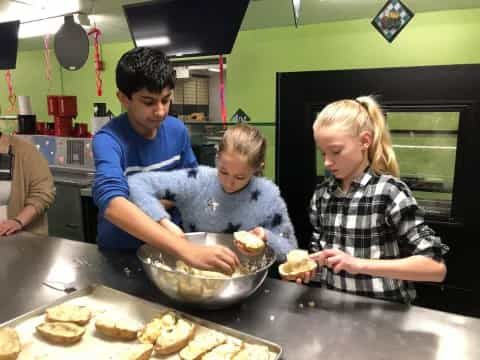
[98, 63]
[12, 98]
[48, 65]
[223, 110]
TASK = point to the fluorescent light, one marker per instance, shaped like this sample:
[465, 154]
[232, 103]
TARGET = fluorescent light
[154, 41]
[213, 69]
[43, 27]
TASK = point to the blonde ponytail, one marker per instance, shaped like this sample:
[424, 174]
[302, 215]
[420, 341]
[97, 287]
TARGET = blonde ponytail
[363, 114]
[380, 154]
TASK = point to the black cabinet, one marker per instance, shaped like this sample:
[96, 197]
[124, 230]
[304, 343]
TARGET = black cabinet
[65, 218]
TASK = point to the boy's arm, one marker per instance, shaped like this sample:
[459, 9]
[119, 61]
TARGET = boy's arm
[131, 219]
[111, 196]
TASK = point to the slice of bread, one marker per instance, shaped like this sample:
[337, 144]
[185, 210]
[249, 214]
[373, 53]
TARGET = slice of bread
[257, 352]
[248, 242]
[9, 344]
[69, 313]
[136, 352]
[225, 351]
[117, 328]
[298, 263]
[151, 331]
[174, 339]
[62, 333]
[201, 344]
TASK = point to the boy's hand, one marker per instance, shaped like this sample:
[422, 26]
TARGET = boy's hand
[213, 258]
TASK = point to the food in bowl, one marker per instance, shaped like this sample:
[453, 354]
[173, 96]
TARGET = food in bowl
[206, 289]
[298, 263]
[248, 242]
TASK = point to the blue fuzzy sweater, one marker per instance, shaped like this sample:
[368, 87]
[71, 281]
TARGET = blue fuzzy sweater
[205, 206]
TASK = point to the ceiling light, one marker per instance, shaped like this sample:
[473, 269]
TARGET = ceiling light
[47, 26]
[154, 41]
[213, 69]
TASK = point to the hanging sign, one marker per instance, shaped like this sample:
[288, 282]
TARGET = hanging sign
[240, 116]
[392, 18]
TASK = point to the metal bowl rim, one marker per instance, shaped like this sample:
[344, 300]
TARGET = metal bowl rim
[263, 268]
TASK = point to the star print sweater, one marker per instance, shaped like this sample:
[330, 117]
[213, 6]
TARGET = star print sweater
[205, 206]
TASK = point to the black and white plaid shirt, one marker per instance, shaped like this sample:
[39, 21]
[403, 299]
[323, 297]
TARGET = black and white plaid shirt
[378, 218]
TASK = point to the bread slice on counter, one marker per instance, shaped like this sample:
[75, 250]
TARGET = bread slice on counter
[298, 262]
[135, 352]
[253, 352]
[68, 313]
[151, 331]
[118, 328]
[62, 333]
[225, 351]
[10, 345]
[174, 339]
[201, 344]
[249, 242]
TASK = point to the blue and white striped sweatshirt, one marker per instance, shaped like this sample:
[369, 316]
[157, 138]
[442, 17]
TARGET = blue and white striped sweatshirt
[205, 206]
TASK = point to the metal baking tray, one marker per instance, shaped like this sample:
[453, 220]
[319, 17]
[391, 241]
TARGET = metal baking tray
[100, 299]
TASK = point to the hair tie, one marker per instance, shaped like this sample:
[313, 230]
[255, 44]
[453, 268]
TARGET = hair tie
[363, 105]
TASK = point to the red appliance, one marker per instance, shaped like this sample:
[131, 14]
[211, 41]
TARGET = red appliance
[63, 109]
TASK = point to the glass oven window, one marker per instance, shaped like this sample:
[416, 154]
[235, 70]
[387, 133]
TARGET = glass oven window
[426, 144]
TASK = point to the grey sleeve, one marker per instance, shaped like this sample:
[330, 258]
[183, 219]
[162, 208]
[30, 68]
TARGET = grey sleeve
[280, 232]
[146, 189]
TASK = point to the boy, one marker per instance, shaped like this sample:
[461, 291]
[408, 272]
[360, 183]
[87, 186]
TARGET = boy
[144, 138]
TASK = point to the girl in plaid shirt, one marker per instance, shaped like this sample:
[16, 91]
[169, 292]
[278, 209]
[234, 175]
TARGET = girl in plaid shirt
[369, 232]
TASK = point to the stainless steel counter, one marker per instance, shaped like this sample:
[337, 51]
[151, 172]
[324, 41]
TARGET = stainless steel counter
[339, 326]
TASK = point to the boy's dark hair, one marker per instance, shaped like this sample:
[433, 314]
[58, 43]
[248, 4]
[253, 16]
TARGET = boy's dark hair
[144, 68]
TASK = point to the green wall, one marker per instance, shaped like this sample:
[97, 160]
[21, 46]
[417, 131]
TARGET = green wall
[449, 37]
[436, 38]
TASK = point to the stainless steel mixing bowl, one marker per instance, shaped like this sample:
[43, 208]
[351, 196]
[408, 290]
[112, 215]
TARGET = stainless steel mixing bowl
[206, 291]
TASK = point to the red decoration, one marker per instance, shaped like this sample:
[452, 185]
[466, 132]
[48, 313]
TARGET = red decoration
[223, 111]
[98, 63]
[46, 54]
[12, 98]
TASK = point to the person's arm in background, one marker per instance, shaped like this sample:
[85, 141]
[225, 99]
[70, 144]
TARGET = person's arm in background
[111, 194]
[41, 191]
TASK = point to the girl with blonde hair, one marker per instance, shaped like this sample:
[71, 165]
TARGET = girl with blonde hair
[369, 232]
